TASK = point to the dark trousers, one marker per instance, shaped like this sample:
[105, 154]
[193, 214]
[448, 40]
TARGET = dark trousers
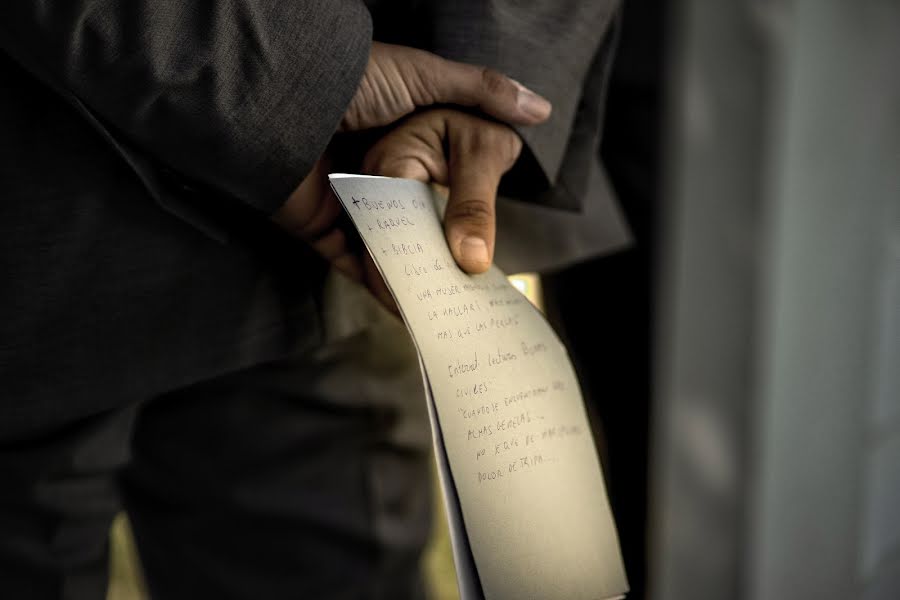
[301, 478]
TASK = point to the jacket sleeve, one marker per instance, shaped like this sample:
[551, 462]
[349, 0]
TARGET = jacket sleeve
[240, 96]
[563, 50]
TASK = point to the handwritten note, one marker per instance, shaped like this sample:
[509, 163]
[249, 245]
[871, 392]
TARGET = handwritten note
[524, 491]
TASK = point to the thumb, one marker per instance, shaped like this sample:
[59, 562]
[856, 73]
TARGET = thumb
[478, 159]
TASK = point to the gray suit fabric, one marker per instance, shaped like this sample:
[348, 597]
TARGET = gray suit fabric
[164, 347]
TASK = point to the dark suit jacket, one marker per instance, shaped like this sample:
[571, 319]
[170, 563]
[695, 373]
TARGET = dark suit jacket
[145, 143]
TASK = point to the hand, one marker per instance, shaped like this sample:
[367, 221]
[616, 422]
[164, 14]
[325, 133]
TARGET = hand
[311, 214]
[399, 79]
[463, 151]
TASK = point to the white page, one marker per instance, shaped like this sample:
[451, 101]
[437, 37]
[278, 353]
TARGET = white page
[466, 574]
[508, 407]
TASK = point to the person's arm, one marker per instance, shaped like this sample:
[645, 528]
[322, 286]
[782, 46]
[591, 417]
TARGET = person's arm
[241, 96]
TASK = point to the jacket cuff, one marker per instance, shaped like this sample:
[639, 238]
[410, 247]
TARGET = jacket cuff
[288, 126]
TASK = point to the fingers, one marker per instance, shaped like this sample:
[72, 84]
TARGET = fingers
[494, 93]
[466, 152]
[415, 150]
[480, 153]
[399, 79]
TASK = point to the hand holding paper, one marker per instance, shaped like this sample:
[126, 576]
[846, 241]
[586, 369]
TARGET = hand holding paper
[443, 146]
[465, 152]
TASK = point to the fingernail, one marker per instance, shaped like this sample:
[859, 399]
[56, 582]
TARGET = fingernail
[536, 107]
[474, 250]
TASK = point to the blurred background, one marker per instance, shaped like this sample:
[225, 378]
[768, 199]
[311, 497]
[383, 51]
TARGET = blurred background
[742, 359]
[748, 382]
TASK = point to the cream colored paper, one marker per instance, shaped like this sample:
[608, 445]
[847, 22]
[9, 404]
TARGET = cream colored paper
[509, 412]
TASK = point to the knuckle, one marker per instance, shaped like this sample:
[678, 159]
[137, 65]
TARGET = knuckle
[493, 82]
[505, 141]
[377, 167]
[513, 146]
[426, 77]
[472, 211]
[498, 143]
[402, 167]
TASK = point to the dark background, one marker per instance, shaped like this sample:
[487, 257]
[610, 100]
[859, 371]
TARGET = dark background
[603, 307]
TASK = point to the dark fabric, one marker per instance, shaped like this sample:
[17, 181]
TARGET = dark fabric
[241, 96]
[107, 299]
[276, 482]
[57, 501]
[300, 478]
[215, 110]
